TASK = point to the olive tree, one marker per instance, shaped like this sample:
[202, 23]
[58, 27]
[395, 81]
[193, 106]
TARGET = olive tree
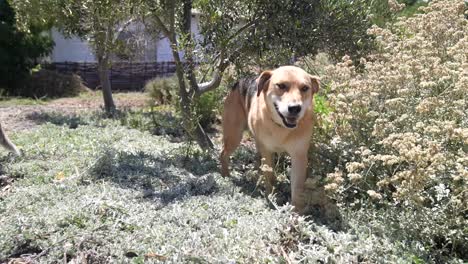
[172, 18]
[253, 34]
[98, 21]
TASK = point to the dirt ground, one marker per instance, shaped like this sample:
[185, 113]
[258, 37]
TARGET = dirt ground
[18, 117]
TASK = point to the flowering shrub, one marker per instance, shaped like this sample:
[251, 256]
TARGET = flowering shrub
[399, 127]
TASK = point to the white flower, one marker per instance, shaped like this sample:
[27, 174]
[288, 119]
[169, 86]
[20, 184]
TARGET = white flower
[441, 191]
[374, 195]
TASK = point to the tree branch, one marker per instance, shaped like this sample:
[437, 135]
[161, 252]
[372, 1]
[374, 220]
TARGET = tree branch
[240, 30]
[186, 30]
[171, 12]
[217, 76]
[161, 26]
[122, 28]
[218, 73]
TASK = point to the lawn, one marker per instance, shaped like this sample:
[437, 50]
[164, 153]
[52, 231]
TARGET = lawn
[98, 191]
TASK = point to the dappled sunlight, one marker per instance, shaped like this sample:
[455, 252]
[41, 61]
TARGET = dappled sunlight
[102, 189]
[134, 177]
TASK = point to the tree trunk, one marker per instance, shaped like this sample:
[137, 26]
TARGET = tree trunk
[192, 126]
[103, 68]
[186, 98]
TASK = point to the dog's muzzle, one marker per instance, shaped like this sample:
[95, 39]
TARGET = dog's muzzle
[289, 121]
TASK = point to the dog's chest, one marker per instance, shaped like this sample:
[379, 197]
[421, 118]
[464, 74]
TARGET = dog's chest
[272, 143]
[271, 136]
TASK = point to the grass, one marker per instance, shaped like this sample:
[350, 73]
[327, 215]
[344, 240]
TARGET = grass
[91, 95]
[101, 192]
[117, 95]
[14, 101]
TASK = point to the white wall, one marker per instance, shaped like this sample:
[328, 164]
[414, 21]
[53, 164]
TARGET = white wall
[70, 49]
[164, 52]
[77, 50]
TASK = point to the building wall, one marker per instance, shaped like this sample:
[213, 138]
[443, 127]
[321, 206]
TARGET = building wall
[70, 49]
[164, 52]
[77, 50]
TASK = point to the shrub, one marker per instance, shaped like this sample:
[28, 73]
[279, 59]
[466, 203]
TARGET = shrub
[400, 136]
[19, 51]
[46, 83]
[208, 106]
[157, 120]
[162, 90]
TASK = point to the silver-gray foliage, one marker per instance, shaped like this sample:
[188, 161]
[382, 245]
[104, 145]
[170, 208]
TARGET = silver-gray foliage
[105, 193]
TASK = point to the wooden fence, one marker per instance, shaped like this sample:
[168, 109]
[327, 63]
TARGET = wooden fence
[129, 76]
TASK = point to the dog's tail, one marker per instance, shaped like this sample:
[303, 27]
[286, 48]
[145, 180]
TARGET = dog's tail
[5, 142]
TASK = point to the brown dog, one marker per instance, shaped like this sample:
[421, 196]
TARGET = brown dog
[277, 107]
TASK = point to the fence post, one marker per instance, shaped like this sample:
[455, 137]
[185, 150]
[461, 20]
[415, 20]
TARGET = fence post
[131, 75]
[111, 75]
[145, 77]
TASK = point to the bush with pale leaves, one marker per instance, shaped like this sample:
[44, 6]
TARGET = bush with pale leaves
[400, 127]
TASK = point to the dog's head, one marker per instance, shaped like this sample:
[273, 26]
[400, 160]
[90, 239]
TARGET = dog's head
[289, 92]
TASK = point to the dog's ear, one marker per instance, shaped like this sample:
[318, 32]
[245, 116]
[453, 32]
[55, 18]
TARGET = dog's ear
[315, 80]
[263, 81]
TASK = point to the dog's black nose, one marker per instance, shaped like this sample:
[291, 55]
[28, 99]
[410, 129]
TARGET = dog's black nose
[294, 109]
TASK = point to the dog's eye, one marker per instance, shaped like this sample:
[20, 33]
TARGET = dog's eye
[305, 88]
[281, 86]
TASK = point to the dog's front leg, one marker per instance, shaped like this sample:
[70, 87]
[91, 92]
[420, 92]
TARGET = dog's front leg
[266, 166]
[298, 178]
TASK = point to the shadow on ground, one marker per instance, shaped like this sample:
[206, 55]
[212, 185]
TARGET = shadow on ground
[320, 208]
[155, 122]
[162, 178]
[174, 176]
[56, 118]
